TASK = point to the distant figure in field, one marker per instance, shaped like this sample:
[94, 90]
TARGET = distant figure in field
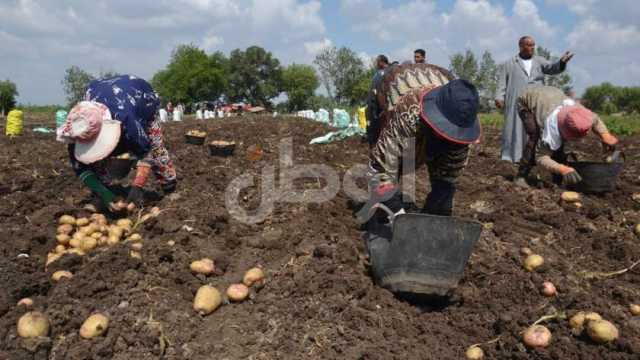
[419, 56]
[373, 111]
[516, 73]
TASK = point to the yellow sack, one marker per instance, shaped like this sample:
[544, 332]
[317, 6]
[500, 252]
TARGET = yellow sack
[14, 123]
[362, 117]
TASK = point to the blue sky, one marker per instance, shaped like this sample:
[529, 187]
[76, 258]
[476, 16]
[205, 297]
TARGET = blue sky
[41, 38]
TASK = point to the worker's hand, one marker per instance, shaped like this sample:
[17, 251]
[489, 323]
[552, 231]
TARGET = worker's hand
[569, 175]
[566, 57]
[609, 142]
[499, 104]
[135, 198]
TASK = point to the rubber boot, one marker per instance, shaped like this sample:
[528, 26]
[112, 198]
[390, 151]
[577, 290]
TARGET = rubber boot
[440, 199]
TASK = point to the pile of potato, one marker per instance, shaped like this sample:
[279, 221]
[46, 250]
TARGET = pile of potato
[82, 235]
[196, 133]
[208, 298]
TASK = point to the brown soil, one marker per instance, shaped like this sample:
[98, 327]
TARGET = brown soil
[319, 301]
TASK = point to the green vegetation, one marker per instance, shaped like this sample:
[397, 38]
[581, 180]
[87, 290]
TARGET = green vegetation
[618, 124]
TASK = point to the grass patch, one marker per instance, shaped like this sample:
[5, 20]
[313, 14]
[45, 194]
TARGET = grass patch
[618, 124]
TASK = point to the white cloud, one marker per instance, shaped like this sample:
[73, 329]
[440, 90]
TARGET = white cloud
[314, 47]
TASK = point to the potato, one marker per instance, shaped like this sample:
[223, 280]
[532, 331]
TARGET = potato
[635, 309]
[577, 321]
[103, 241]
[602, 331]
[570, 196]
[537, 336]
[65, 229]
[58, 275]
[237, 292]
[67, 219]
[99, 219]
[203, 266]
[136, 246]
[75, 242]
[89, 229]
[63, 239]
[533, 262]
[116, 231]
[525, 251]
[33, 324]
[171, 243]
[474, 353]
[60, 249]
[636, 230]
[82, 221]
[207, 300]
[124, 223]
[113, 240]
[253, 276]
[135, 237]
[94, 326]
[26, 302]
[88, 243]
[51, 257]
[548, 289]
[135, 255]
[96, 235]
[78, 235]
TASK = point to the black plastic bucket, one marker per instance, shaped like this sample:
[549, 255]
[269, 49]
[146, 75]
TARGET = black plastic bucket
[222, 149]
[426, 255]
[597, 177]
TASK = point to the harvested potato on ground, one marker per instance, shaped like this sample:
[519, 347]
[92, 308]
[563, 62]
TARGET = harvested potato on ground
[82, 221]
[207, 300]
[237, 292]
[537, 336]
[103, 241]
[88, 243]
[58, 275]
[135, 237]
[533, 261]
[635, 309]
[116, 231]
[65, 229]
[75, 242]
[95, 325]
[474, 353]
[636, 230]
[99, 219]
[63, 239]
[570, 196]
[135, 255]
[124, 223]
[67, 219]
[602, 331]
[525, 251]
[51, 257]
[25, 302]
[113, 240]
[577, 321]
[76, 251]
[253, 276]
[203, 266]
[33, 324]
[136, 246]
[548, 289]
[60, 249]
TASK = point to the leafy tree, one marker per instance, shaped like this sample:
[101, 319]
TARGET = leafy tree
[75, 84]
[465, 66]
[255, 76]
[8, 93]
[563, 80]
[608, 98]
[192, 76]
[299, 82]
[343, 74]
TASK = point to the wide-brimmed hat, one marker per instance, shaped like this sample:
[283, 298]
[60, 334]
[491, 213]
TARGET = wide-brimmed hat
[90, 127]
[574, 121]
[451, 110]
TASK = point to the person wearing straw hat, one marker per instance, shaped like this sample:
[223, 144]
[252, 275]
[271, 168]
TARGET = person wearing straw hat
[118, 116]
[436, 124]
[550, 119]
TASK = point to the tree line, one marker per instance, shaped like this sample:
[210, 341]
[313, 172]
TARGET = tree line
[254, 75]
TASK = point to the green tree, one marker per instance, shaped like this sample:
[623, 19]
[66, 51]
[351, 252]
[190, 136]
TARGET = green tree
[8, 93]
[343, 74]
[299, 83]
[465, 66]
[255, 76]
[192, 76]
[563, 80]
[75, 84]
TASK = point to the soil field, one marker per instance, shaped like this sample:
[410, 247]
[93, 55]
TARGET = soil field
[319, 301]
